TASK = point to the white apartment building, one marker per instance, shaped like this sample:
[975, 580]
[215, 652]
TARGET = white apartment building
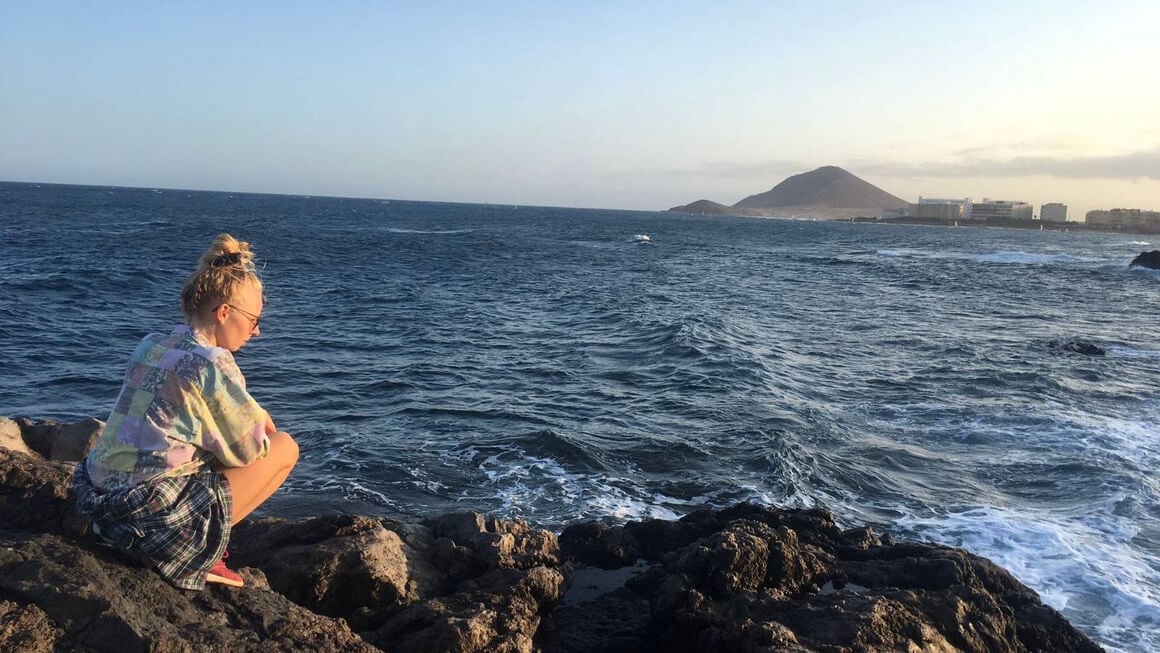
[944, 209]
[999, 210]
[1053, 212]
[1123, 218]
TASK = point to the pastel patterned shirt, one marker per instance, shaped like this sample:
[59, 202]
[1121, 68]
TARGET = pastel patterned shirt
[183, 406]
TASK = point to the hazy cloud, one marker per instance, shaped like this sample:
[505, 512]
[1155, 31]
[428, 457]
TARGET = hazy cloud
[765, 170]
[967, 163]
[1057, 144]
[1144, 164]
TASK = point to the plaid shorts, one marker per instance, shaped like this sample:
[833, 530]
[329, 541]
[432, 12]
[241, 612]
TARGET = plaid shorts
[180, 525]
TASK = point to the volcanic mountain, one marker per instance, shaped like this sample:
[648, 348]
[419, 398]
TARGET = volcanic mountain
[828, 192]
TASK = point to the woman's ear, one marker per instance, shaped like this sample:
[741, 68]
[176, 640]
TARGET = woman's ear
[220, 313]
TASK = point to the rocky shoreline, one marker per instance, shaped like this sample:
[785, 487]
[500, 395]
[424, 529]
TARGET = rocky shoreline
[746, 578]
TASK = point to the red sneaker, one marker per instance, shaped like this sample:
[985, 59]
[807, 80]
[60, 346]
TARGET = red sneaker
[220, 573]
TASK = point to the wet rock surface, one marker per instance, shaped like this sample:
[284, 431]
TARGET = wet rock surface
[1079, 347]
[747, 578]
[1149, 260]
[758, 579]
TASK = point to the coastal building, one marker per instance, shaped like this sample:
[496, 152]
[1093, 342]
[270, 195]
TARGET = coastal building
[1000, 210]
[1053, 212]
[942, 209]
[891, 214]
[1124, 219]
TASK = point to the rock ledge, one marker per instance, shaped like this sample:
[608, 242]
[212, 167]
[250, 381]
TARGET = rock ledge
[747, 578]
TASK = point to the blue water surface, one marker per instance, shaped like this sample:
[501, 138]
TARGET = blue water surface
[554, 365]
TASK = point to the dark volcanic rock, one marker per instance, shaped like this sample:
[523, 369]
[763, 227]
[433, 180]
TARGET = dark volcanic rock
[1079, 347]
[341, 566]
[499, 611]
[746, 578]
[32, 492]
[65, 442]
[1149, 260]
[77, 598]
[458, 582]
[759, 579]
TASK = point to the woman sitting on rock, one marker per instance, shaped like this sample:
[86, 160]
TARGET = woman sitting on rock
[187, 452]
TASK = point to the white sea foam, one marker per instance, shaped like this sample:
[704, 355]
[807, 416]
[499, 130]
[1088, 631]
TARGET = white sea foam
[901, 253]
[423, 481]
[1137, 440]
[1131, 352]
[1009, 257]
[752, 493]
[1083, 568]
[1029, 258]
[600, 244]
[1091, 561]
[526, 485]
[433, 232]
[350, 490]
[1120, 244]
[1139, 269]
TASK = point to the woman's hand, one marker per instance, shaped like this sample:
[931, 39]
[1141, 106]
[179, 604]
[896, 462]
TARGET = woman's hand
[270, 428]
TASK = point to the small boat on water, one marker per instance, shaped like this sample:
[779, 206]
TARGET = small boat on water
[642, 238]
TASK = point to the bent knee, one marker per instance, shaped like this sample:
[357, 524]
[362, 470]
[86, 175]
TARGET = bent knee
[284, 447]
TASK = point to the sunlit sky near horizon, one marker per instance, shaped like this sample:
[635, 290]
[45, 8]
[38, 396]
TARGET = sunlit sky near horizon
[639, 105]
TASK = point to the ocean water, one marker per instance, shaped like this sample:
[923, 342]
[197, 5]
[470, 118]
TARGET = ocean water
[555, 365]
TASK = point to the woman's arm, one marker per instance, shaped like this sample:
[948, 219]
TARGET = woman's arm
[236, 429]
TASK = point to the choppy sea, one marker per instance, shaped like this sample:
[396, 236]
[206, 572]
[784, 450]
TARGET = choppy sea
[557, 365]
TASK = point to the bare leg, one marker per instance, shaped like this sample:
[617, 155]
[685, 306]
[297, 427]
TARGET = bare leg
[254, 483]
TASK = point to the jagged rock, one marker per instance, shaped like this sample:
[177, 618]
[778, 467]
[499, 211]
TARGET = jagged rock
[498, 612]
[600, 545]
[498, 542]
[457, 582]
[458, 526]
[10, 437]
[619, 622]
[1081, 347]
[76, 598]
[746, 578]
[1149, 260]
[611, 547]
[65, 442]
[764, 579]
[26, 628]
[343, 566]
[32, 492]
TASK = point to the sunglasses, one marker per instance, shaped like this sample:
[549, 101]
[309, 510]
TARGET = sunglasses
[257, 319]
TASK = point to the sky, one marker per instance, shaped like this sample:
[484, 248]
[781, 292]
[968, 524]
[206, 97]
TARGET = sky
[632, 104]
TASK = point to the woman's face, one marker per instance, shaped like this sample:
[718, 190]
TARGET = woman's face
[237, 321]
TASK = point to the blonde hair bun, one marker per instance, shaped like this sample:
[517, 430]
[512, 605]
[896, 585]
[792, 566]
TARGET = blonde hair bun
[225, 267]
[227, 251]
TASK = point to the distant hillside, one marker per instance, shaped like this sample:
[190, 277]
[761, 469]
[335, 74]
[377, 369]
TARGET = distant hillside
[828, 187]
[828, 193]
[705, 207]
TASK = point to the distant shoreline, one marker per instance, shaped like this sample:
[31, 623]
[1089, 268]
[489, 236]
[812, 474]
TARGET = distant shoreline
[1030, 225]
[1033, 225]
